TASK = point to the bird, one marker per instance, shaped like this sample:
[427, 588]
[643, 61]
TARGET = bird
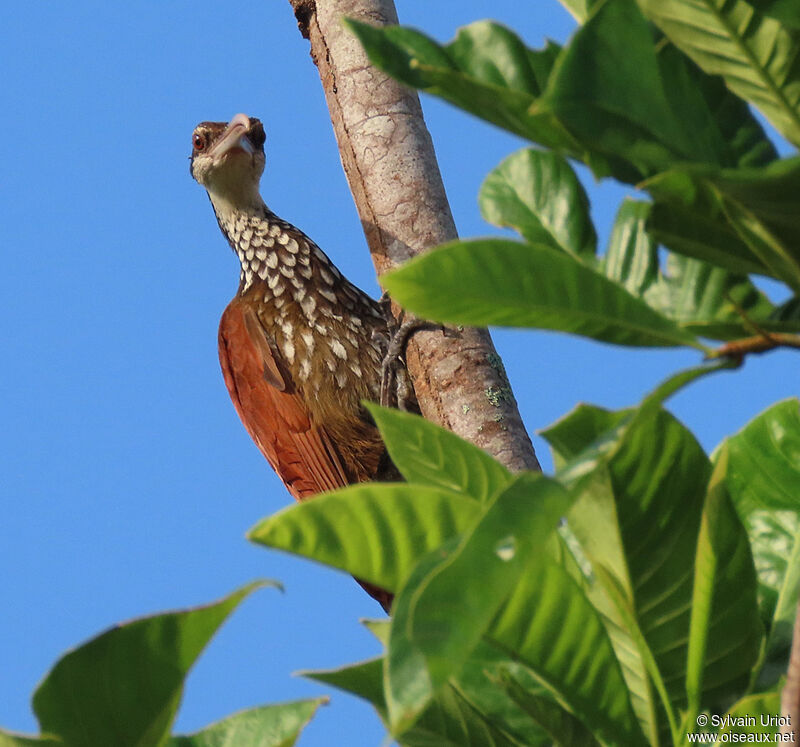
[300, 346]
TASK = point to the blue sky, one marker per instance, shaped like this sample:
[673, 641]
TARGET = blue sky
[127, 480]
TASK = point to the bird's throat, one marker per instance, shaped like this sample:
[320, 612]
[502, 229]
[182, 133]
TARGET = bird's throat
[266, 251]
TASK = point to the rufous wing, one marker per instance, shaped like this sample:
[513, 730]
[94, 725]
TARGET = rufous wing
[271, 408]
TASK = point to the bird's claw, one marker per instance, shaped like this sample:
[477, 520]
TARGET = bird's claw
[396, 388]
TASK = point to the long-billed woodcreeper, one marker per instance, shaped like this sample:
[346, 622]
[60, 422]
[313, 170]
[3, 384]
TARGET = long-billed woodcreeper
[300, 346]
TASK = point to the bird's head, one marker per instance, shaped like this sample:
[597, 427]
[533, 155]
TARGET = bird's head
[228, 159]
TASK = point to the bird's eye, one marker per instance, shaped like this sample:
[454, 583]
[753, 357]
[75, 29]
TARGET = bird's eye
[198, 141]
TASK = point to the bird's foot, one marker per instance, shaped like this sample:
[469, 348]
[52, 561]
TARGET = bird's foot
[396, 389]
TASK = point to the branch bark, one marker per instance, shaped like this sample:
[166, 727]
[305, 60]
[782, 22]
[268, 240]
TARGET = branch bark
[790, 696]
[391, 166]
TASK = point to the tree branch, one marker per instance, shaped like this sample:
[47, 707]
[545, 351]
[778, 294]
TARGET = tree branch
[790, 696]
[391, 166]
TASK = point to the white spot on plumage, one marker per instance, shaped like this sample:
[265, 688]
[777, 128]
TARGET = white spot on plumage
[289, 260]
[308, 339]
[326, 276]
[247, 234]
[309, 305]
[292, 246]
[330, 295]
[300, 292]
[305, 272]
[283, 238]
[305, 368]
[288, 350]
[273, 280]
[287, 272]
[341, 379]
[338, 349]
[355, 368]
[256, 241]
[279, 289]
[274, 229]
[287, 328]
[331, 364]
[261, 253]
[262, 272]
[272, 260]
[328, 311]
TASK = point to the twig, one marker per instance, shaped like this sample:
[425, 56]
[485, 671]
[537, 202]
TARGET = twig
[760, 343]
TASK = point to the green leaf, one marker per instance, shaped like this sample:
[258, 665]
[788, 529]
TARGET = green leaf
[646, 106]
[550, 626]
[585, 427]
[641, 481]
[481, 683]
[267, 726]
[763, 472]
[428, 454]
[758, 204]
[637, 518]
[710, 301]
[537, 193]
[787, 311]
[379, 627]
[9, 739]
[449, 721]
[467, 582]
[758, 58]
[486, 70]
[363, 679]
[765, 460]
[697, 295]
[588, 433]
[725, 631]
[124, 687]
[692, 226]
[608, 90]
[564, 729]
[494, 281]
[376, 532]
[580, 9]
[785, 11]
[754, 706]
[665, 110]
[726, 132]
[631, 258]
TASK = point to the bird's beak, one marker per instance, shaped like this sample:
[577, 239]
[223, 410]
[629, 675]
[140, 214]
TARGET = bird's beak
[235, 136]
